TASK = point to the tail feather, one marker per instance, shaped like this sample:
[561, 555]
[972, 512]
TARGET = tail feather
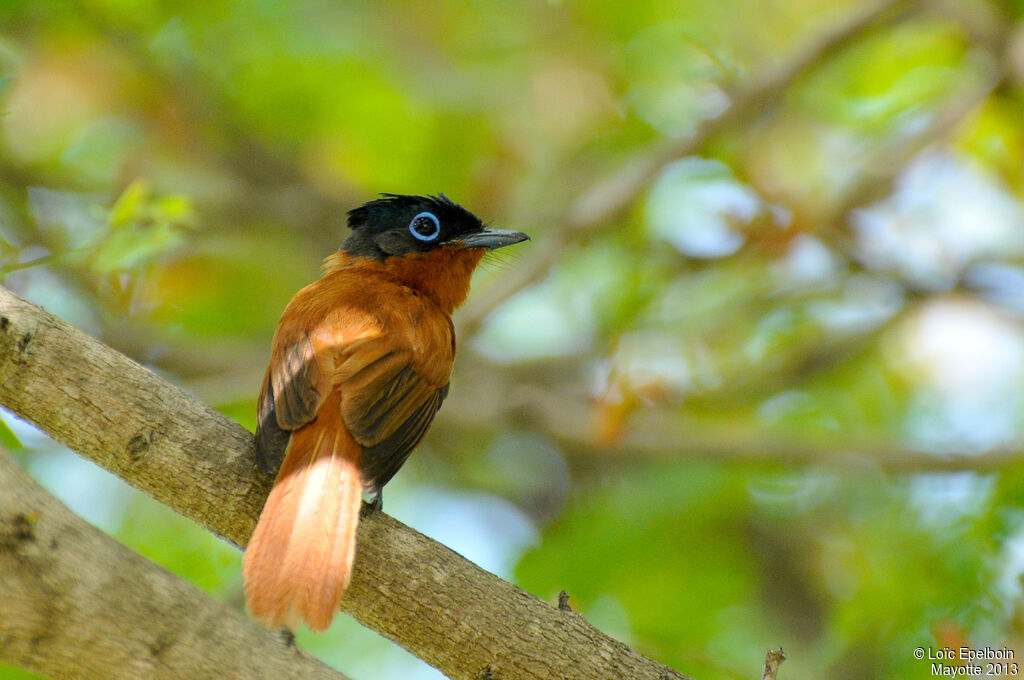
[299, 559]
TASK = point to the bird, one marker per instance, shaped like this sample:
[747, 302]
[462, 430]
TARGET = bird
[360, 363]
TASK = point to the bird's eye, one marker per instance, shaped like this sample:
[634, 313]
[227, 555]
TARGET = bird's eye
[425, 226]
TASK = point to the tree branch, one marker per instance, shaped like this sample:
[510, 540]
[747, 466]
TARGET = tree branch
[425, 597]
[531, 396]
[655, 434]
[607, 198]
[79, 605]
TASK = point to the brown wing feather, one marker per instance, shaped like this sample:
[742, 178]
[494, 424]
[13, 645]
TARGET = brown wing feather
[389, 402]
[380, 462]
[296, 382]
[271, 438]
[374, 410]
[291, 396]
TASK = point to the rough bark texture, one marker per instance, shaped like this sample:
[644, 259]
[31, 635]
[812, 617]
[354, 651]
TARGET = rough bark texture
[77, 604]
[444, 609]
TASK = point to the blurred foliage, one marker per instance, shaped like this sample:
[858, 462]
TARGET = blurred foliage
[775, 401]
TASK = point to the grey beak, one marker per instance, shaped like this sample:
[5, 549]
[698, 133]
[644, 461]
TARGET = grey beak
[492, 238]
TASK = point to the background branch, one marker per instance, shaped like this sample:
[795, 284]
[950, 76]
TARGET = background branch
[490, 396]
[607, 198]
[425, 597]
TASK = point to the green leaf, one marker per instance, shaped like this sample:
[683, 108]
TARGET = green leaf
[9, 440]
[129, 204]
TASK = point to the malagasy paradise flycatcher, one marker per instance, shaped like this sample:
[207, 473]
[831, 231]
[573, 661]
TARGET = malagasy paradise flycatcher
[359, 366]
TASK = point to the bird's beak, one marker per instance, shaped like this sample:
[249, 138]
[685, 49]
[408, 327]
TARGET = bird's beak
[492, 238]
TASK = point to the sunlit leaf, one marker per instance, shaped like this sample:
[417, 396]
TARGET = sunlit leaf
[8, 440]
[129, 204]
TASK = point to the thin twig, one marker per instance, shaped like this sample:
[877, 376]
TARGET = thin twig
[772, 660]
[6, 268]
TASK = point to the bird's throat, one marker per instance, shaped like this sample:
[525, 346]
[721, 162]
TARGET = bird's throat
[443, 274]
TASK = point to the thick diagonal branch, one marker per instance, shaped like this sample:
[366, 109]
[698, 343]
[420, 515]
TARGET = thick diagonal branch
[441, 607]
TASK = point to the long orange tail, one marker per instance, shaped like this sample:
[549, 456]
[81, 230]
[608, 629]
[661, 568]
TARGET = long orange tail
[299, 559]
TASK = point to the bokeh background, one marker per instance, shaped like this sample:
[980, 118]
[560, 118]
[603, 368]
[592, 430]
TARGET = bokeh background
[755, 382]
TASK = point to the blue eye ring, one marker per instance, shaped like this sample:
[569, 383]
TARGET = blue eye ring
[417, 223]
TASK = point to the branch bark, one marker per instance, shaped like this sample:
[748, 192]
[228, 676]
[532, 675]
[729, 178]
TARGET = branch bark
[79, 605]
[772, 660]
[435, 603]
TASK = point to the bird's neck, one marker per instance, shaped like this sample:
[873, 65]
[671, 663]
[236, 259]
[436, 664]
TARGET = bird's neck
[443, 274]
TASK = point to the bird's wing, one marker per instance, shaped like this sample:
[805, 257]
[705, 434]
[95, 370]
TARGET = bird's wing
[392, 387]
[293, 390]
[391, 367]
[291, 395]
